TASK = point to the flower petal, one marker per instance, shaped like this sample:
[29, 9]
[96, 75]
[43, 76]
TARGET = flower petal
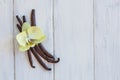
[35, 33]
[36, 41]
[25, 26]
[21, 38]
[24, 48]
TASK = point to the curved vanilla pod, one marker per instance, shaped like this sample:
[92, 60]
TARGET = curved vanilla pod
[39, 59]
[44, 56]
[33, 23]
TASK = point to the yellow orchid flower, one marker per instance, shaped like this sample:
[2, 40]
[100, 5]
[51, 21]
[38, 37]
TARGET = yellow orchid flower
[29, 37]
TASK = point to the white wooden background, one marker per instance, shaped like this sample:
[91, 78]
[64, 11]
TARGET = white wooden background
[85, 34]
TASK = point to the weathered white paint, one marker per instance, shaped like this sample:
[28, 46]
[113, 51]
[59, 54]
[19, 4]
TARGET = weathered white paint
[107, 39]
[73, 23]
[44, 20]
[6, 40]
[83, 33]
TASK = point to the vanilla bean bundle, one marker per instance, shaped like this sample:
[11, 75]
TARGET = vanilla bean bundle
[38, 50]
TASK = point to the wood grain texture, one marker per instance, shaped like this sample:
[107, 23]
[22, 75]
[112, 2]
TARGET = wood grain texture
[73, 25]
[107, 39]
[44, 20]
[85, 34]
[6, 40]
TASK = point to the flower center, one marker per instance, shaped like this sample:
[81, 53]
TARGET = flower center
[28, 40]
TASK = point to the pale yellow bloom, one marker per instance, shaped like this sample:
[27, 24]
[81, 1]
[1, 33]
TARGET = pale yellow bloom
[29, 37]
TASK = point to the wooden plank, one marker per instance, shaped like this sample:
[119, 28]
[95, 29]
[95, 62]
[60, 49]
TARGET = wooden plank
[6, 40]
[44, 20]
[107, 39]
[73, 24]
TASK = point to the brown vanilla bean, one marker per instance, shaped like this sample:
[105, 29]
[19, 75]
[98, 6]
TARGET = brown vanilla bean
[19, 20]
[39, 59]
[19, 27]
[45, 51]
[33, 20]
[33, 23]
[40, 53]
[24, 18]
[30, 58]
[44, 56]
